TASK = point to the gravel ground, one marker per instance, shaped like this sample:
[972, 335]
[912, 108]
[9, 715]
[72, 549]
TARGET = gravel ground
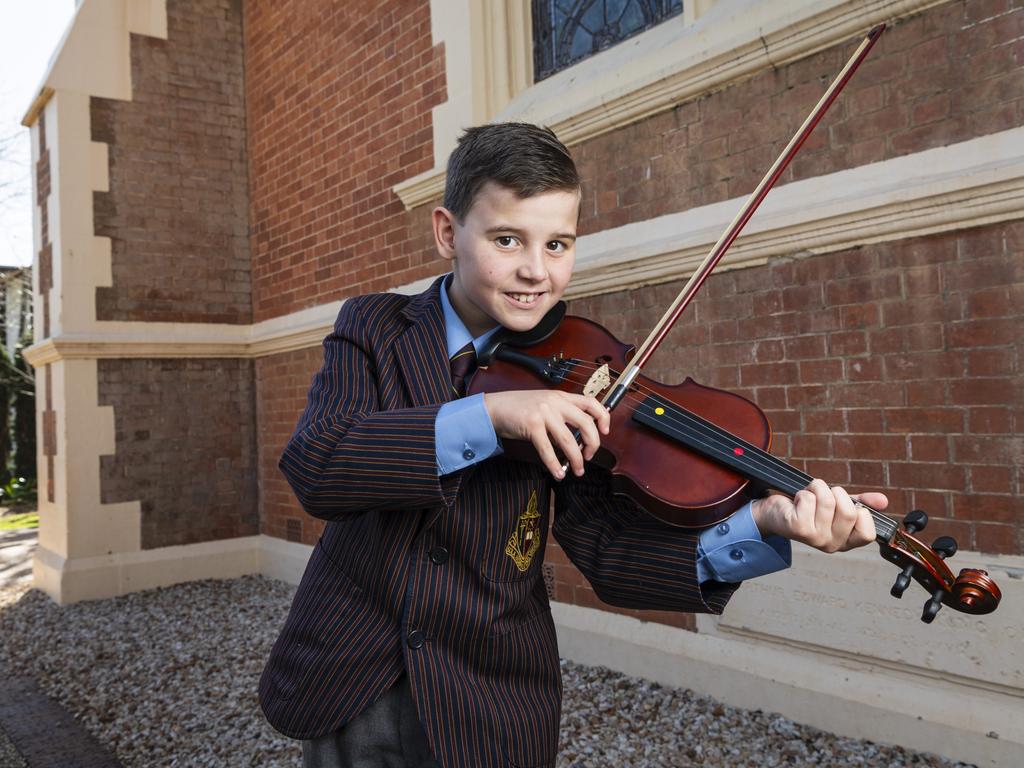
[168, 678]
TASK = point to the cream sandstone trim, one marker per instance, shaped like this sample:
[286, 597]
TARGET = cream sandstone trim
[92, 59]
[674, 62]
[963, 185]
[118, 573]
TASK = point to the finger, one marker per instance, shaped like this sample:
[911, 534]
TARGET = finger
[873, 499]
[863, 530]
[546, 452]
[844, 518]
[598, 412]
[584, 422]
[563, 438]
[803, 524]
[824, 510]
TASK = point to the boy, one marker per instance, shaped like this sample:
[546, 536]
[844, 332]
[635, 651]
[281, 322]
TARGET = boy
[421, 634]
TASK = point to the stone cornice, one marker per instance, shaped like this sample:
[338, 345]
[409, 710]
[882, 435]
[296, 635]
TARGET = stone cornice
[976, 182]
[631, 81]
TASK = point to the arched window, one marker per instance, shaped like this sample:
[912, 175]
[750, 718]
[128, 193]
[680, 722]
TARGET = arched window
[566, 31]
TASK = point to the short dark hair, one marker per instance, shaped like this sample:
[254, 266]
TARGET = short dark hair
[528, 159]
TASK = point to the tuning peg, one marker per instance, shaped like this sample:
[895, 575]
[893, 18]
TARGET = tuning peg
[944, 546]
[915, 520]
[902, 582]
[931, 608]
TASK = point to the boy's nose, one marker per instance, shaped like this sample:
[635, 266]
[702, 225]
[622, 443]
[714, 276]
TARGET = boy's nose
[534, 266]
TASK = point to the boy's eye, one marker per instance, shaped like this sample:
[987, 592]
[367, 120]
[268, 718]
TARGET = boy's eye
[505, 241]
[557, 246]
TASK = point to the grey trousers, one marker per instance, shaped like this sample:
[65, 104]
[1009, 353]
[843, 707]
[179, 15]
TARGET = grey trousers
[386, 735]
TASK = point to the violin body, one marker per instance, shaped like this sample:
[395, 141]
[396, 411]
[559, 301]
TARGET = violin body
[666, 478]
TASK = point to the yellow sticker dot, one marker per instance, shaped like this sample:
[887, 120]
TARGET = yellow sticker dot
[660, 411]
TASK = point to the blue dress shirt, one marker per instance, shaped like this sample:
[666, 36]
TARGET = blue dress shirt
[732, 550]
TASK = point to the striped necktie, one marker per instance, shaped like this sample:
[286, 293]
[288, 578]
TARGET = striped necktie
[463, 364]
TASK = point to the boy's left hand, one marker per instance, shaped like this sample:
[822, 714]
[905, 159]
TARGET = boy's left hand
[821, 517]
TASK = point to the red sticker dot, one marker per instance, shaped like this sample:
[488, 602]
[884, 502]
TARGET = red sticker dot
[738, 451]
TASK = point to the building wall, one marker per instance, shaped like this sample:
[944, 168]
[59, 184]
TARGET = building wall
[177, 209]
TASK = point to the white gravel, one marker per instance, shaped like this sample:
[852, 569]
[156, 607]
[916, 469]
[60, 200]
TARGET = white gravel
[168, 678]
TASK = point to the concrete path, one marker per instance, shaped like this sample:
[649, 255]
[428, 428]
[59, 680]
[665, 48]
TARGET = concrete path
[16, 548]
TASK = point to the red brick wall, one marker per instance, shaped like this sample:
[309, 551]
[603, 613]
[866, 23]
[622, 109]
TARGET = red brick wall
[186, 447]
[176, 212]
[282, 382]
[339, 98]
[948, 75]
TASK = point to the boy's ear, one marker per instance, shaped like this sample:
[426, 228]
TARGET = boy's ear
[443, 222]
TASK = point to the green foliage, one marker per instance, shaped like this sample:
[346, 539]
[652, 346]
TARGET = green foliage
[18, 490]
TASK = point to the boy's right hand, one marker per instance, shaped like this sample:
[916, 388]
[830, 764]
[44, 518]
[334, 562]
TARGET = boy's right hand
[545, 418]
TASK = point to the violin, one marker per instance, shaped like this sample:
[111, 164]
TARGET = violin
[717, 440]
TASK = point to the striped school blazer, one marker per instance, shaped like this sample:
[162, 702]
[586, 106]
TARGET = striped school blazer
[441, 576]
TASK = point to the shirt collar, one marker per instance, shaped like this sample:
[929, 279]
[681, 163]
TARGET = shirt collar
[457, 335]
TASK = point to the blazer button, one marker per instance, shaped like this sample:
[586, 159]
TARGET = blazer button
[439, 555]
[416, 639]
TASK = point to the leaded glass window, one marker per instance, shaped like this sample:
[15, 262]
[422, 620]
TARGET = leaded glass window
[566, 31]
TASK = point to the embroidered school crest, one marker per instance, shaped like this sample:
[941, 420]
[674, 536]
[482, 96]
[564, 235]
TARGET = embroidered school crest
[525, 539]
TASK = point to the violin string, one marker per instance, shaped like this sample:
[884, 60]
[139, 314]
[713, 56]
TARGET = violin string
[768, 467]
[730, 441]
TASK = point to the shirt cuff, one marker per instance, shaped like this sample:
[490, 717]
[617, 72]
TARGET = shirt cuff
[463, 434]
[734, 551]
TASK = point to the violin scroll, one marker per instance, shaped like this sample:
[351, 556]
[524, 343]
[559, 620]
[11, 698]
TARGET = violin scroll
[973, 591]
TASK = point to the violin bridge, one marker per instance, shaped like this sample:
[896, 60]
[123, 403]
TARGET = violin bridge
[599, 381]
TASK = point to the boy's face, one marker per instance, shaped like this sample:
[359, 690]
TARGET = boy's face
[512, 256]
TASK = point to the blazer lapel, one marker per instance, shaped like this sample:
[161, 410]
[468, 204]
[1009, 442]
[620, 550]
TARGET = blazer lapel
[422, 351]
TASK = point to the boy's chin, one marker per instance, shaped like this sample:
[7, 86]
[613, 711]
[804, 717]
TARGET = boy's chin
[523, 322]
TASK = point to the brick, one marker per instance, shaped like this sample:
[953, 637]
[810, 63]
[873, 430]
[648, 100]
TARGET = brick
[863, 369]
[804, 347]
[990, 419]
[929, 448]
[865, 420]
[810, 446]
[994, 538]
[937, 504]
[927, 476]
[922, 365]
[988, 449]
[961, 530]
[991, 479]
[867, 474]
[820, 371]
[847, 343]
[870, 446]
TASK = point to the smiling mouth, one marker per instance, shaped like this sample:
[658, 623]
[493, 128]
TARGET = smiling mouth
[524, 299]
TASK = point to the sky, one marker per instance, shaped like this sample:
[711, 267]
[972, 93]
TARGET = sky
[29, 33]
